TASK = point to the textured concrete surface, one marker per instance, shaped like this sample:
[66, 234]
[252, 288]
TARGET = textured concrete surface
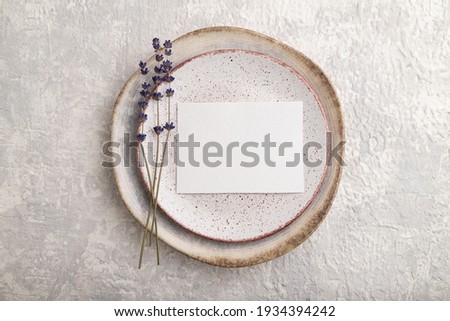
[64, 233]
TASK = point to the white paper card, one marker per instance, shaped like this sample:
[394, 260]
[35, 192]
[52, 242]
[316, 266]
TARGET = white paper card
[240, 147]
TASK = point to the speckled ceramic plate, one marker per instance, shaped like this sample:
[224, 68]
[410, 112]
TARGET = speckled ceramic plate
[213, 65]
[234, 76]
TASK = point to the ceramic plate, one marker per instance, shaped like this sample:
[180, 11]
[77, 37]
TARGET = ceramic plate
[233, 64]
[236, 76]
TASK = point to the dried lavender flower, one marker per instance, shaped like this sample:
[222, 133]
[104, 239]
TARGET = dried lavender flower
[163, 74]
[157, 95]
[168, 78]
[144, 93]
[156, 44]
[142, 117]
[141, 137]
[167, 63]
[167, 44]
[143, 104]
[158, 130]
[157, 80]
[168, 126]
[170, 92]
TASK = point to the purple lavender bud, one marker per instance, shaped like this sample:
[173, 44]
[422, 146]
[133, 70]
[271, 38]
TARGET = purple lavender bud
[158, 70]
[146, 86]
[141, 137]
[167, 63]
[168, 52]
[144, 71]
[157, 80]
[162, 69]
[167, 44]
[168, 126]
[142, 117]
[168, 78]
[158, 130]
[159, 57]
[157, 96]
[156, 44]
[143, 104]
[170, 92]
[144, 93]
[142, 64]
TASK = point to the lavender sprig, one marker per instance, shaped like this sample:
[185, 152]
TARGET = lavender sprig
[163, 75]
[141, 138]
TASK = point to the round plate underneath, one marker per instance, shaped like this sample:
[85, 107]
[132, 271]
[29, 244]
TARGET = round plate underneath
[132, 188]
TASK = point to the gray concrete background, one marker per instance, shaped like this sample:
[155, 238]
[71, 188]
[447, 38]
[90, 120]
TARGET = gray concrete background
[64, 232]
